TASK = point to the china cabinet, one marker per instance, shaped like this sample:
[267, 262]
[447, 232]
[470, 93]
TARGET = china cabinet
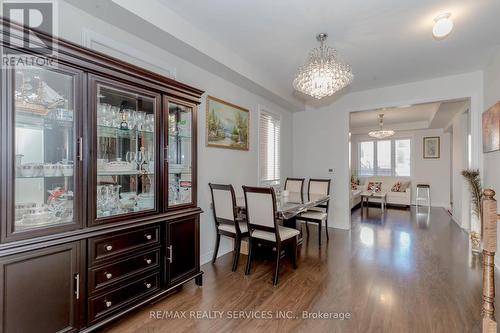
[98, 188]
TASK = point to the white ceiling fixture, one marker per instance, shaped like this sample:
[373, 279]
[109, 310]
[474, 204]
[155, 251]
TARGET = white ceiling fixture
[381, 133]
[323, 74]
[443, 26]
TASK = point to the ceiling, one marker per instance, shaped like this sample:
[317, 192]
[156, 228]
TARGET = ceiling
[412, 117]
[259, 44]
[386, 41]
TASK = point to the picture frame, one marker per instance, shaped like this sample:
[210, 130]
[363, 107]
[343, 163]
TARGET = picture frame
[432, 147]
[227, 125]
[491, 129]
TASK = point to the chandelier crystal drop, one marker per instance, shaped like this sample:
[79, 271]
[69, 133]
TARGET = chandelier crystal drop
[381, 134]
[323, 74]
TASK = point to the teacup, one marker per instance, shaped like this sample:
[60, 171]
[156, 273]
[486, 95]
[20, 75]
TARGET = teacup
[27, 170]
[50, 170]
[67, 170]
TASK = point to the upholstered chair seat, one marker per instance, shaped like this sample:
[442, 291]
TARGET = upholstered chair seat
[284, 232]
[313, 214]
[232, 228]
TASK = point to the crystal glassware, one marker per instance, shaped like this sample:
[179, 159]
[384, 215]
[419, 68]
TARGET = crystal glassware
[140, 118]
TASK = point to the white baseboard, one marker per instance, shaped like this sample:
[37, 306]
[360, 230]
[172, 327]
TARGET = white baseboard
[207, 257]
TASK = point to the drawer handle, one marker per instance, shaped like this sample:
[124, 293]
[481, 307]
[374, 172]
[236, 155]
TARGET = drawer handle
[109, 275]
[148, 285]
[148, 261]
[108, 304]
[148, 236]
[109, 247]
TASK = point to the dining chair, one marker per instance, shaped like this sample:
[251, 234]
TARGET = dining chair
[263, 225]
[226, 219]
[318, 214]
[294, 184]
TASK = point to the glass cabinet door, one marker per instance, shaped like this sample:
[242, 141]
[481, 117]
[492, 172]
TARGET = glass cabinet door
[180, 154]
[125, 152]
[45, 150]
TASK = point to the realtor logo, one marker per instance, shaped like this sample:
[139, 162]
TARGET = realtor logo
[38, 15]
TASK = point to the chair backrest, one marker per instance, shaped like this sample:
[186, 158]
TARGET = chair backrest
[294, 185]
[224, 204]
[261, 209]
[319, 186]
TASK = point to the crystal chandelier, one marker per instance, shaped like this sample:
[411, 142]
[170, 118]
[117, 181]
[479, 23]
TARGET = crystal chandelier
[381, 134]
[323, 74]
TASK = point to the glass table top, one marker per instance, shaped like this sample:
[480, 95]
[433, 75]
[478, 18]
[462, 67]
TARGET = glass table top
[292, 204]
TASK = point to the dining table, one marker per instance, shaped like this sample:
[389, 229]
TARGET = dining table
[290, 205]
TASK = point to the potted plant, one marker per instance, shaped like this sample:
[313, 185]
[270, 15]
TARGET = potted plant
[474, 179]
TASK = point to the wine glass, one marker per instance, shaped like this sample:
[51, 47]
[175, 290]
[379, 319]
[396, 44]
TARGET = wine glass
[130, 158]
[139, 158]
[150, 122]
[140, 118]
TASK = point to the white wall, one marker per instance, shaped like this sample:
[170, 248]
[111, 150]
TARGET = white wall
[461, 194]
[492, 160]
[435, 172]
[321, 135]
[491, 96]
[214, 165]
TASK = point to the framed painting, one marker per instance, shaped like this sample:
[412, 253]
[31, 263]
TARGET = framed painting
[491, 129]
[432, 147]
[227, 125]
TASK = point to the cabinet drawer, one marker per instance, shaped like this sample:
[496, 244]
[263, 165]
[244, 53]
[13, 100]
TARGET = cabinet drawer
[102, 248]
[103, 276]
[113, 301]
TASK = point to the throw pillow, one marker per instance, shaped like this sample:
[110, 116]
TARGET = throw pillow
[374, 186]
[400, 186]
[397, 187]
[404, 186]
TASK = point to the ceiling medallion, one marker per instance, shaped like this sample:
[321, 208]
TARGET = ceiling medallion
[323, 74]
[381, 134]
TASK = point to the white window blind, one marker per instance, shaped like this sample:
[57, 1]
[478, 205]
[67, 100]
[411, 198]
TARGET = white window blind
[269, 148]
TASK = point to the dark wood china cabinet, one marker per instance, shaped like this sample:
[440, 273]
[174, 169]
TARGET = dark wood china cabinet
[98, 186]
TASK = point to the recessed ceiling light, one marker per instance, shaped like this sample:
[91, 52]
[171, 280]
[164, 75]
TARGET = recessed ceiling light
[443, 26]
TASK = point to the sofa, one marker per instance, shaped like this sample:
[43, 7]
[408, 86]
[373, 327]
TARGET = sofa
[393, 198]
[355, 198]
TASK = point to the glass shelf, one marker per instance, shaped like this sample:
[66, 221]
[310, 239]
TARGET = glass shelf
[40, 177]
[124, 173]
[114, 132]
[178, 136]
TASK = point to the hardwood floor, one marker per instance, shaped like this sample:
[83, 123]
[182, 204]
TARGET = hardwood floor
[405, 273]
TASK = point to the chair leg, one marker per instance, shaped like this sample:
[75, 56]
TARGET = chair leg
[277, 268]
[294, 253]
[319, 233]
[249, 259]
[237, 246]
[326, 229]
[216, 250]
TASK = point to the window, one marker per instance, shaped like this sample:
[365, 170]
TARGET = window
[385, 158]
[269, 148]
[403, 158]
[366, 153]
